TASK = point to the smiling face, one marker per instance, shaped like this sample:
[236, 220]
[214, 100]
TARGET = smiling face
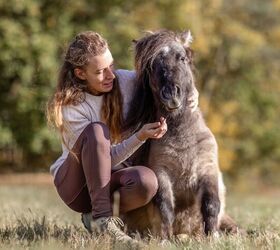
[172, 78]
[98, 73]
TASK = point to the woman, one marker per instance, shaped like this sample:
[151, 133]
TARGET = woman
[87, 108]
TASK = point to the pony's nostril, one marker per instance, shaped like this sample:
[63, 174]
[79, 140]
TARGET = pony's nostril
[165, 93]
[168, 92]
[177, 91]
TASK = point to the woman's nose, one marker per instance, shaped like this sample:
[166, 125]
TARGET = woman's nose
[110, 74]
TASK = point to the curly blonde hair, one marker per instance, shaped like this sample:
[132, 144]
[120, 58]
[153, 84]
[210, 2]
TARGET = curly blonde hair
[71, 90]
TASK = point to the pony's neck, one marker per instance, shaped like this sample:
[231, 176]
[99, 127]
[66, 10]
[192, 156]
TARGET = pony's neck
[178, 121]
[176, 115]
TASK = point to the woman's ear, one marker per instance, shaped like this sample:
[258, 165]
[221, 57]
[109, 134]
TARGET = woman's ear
[80, 73]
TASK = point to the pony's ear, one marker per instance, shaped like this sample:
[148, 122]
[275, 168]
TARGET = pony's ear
[186, 38]
[189, 53]
[149, 32]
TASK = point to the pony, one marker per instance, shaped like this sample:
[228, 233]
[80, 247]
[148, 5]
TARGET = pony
[191, 193]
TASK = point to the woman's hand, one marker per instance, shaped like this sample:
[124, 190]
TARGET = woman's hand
[153, 130]
[193, 100]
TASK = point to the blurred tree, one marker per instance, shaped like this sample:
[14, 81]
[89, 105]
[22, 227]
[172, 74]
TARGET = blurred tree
[237, 54]
[28, 59]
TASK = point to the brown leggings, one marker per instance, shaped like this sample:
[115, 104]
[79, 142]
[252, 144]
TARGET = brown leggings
[87, 183]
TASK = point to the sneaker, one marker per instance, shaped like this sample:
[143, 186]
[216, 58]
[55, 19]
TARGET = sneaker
[110, 225]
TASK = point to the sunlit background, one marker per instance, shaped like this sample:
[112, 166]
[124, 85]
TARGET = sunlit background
[237, 58]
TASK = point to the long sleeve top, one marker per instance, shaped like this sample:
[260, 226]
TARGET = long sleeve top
[78, 117]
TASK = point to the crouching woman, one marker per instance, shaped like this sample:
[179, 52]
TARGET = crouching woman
[87, 110]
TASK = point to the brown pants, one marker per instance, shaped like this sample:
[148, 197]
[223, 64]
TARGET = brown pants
[87, 183]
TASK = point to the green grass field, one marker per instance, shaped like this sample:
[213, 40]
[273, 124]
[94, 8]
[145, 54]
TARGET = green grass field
[33, 217]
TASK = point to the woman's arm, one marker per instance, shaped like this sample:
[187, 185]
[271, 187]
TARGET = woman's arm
[126, 148]
[123, 150]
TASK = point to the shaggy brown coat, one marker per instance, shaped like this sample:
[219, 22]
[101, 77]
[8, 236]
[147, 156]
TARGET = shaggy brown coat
[191, 195]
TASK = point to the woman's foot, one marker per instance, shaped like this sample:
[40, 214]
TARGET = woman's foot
[111, 225]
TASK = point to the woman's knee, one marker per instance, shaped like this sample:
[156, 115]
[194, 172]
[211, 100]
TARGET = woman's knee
[97, 130]
[145, 183]
[98, 133]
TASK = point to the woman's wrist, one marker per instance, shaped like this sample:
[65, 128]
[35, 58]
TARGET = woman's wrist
[140, 136]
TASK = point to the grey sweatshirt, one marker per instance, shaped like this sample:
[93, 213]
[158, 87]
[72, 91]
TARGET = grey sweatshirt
[81, 115]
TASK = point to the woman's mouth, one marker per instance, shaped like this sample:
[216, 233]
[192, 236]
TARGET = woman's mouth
[108, 85]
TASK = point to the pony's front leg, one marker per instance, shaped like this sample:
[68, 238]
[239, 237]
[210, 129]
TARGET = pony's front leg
[164, 201]
[210, 203]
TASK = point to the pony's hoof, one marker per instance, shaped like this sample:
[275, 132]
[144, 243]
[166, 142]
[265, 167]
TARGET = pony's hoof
[165, 243]
[182, 238]
[216, 235]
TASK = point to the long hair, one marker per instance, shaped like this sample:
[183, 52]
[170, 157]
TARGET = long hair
[111, 112]
[142, 109]
[71, 90]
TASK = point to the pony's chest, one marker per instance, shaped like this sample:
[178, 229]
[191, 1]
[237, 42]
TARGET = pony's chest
[178, 157]
[177, 153]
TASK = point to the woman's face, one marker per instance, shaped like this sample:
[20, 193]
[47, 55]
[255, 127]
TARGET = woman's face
[98, 73]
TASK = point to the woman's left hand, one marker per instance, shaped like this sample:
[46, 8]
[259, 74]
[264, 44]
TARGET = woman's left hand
[153, 130]
[163, 128]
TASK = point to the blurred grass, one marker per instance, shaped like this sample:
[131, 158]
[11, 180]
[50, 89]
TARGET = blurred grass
[33, 217]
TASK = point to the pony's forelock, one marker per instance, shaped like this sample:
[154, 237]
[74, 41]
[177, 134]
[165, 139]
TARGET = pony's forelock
[146, 50]
[148, 47]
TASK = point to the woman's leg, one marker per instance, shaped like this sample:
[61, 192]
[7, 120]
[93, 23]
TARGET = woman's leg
[137, 186]
[84, 182]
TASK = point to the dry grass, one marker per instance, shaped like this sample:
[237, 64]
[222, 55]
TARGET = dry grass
[33, 217]
[40, 179]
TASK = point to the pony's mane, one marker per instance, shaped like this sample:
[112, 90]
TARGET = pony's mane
[142, 109]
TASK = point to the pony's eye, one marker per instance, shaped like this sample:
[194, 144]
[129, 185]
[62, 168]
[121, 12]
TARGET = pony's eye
[183, 59]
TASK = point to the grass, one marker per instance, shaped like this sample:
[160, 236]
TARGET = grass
[33, 217]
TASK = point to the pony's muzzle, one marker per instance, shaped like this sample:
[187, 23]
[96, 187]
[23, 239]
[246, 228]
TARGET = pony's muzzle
[170, 96]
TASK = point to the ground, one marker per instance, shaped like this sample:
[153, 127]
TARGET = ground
[33, 217]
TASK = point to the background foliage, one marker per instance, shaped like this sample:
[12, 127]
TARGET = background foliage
[237, 56]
